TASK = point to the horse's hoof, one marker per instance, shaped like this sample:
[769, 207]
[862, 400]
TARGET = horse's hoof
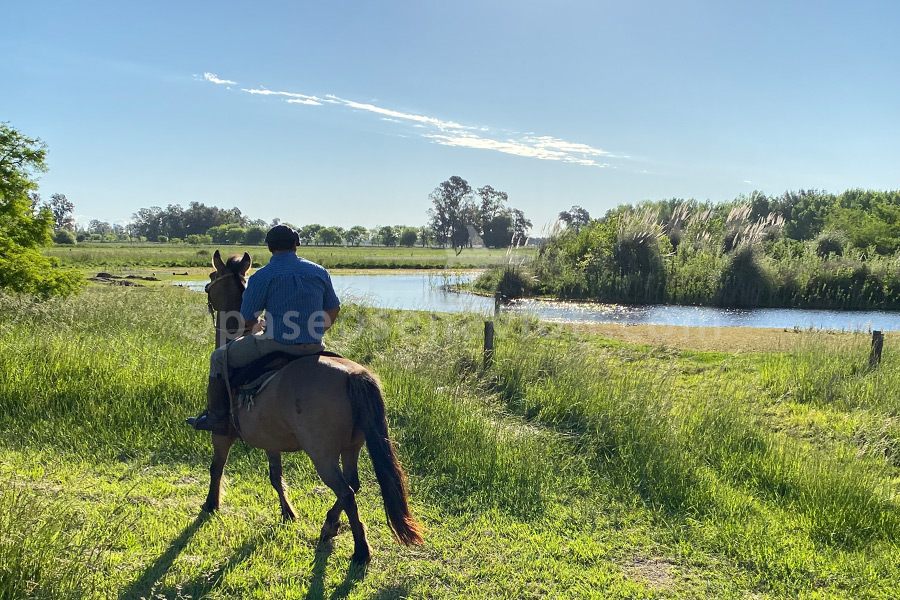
[329, 531]
[287, 517]
[209, 507]
[362, 557]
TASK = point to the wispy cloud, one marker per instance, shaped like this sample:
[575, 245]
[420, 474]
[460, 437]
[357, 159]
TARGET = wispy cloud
[525, 147]
[212, 78]
[451, 133]
[292, 97]
[396, 114]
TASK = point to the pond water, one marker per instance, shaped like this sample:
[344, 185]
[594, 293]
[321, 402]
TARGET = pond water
[433, 291]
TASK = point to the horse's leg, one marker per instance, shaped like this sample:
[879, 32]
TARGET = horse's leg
[331, 475]
[221, 446]
[350, 464]
[277, 479]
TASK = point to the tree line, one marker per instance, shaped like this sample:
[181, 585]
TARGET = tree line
[459, 217]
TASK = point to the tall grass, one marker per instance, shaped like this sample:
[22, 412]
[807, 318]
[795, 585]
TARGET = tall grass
[557, 419]
[44, 551]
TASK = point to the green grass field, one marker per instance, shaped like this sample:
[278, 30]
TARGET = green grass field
[575, 467]
[151, 255]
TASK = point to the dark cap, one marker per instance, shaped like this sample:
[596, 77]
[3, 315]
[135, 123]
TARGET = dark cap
[282, 236]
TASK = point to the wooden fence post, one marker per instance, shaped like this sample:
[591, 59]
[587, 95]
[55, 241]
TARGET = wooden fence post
[877, 347]
[488, 344]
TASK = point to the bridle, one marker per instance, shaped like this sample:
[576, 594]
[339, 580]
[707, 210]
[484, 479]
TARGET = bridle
[238, 278]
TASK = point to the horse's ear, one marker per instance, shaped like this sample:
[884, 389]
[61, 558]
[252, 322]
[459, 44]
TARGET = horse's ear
[218, 265]
[245, 263]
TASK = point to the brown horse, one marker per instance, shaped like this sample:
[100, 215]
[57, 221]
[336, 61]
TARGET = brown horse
[327, 407]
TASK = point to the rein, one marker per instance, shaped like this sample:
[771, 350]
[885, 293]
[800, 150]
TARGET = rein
[242, 282]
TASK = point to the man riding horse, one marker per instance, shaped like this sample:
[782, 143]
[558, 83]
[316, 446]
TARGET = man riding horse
[300, 306]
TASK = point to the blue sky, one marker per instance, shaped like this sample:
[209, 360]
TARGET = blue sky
[351, 113]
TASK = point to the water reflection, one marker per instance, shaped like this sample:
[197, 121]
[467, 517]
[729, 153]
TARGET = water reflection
[433, 291]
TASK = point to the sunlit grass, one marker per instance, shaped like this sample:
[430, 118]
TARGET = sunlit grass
[571, 467]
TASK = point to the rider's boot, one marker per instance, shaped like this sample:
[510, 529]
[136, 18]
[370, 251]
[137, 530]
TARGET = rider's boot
[215, 417]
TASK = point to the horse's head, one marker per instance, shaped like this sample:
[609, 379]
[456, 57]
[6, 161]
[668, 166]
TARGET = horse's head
[225, 289]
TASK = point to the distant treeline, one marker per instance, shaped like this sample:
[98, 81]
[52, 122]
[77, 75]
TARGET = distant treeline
[201, 224]
[460, 216]
[800, 249]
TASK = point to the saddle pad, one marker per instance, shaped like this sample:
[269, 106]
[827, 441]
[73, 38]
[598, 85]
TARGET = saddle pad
[248, 382]
[274, 361]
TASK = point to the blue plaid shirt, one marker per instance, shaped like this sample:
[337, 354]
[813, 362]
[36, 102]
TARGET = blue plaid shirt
[294, 292]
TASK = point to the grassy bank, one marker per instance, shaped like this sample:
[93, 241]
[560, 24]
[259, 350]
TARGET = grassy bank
[152, 255]
[578, 466]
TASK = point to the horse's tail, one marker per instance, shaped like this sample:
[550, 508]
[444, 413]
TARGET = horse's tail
[368, 410]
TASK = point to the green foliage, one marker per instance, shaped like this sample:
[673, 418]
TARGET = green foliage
[329, 236]
[64, 237]
[25, 228]
[831, 242]
[355, 235]
[387, 236]
[255, 236]
[195, 239]
[498, 231]
[512, 281]
[812, 250]
[226, 234]
[638, 257]
[745, 280]
[408, 237]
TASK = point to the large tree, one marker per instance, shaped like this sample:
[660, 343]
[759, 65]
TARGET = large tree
[63, 210]
[576, 217]
[24, 227]
[498, 232]
[408, 236]
[354, 235]
[520, 225]
[453, 207]
[329, 236]
[492, 205]
[387, 236]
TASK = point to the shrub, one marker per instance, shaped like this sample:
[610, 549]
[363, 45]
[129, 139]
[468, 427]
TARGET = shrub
[64, 237]
[745, 281]
[831, 242]
[197, 239]
[255, 236]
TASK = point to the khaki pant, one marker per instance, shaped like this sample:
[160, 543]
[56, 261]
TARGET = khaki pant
[243, 351]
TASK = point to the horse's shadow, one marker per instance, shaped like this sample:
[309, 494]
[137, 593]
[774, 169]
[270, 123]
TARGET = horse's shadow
[316, 590]
[146, 585]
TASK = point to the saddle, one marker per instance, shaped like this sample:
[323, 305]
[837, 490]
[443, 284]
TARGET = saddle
[248, 381]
